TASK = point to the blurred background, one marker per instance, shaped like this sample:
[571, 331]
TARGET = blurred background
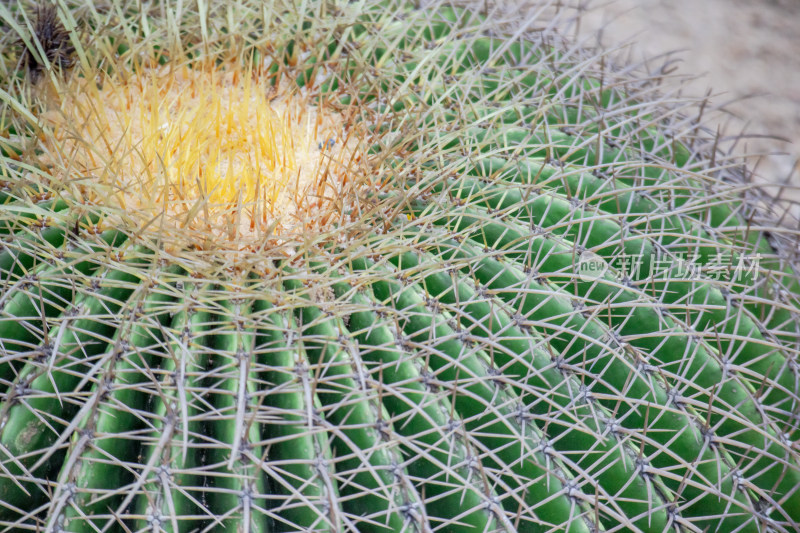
[747, 52]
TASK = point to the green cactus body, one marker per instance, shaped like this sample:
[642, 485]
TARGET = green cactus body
[377, 266]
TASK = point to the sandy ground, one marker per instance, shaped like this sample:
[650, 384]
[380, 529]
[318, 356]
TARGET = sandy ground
[747, 52]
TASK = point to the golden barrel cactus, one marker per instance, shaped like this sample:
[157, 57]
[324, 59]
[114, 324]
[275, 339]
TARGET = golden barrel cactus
[377, 266]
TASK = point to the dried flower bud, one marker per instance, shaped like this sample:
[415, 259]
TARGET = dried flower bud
[53, 39]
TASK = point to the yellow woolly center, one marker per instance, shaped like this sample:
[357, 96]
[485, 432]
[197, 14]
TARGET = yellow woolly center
[219, 151]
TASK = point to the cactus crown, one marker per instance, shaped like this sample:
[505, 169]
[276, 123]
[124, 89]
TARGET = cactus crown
[224, 152]
[519, 291]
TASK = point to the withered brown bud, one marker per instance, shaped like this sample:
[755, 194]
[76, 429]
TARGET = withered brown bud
[54, 40]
